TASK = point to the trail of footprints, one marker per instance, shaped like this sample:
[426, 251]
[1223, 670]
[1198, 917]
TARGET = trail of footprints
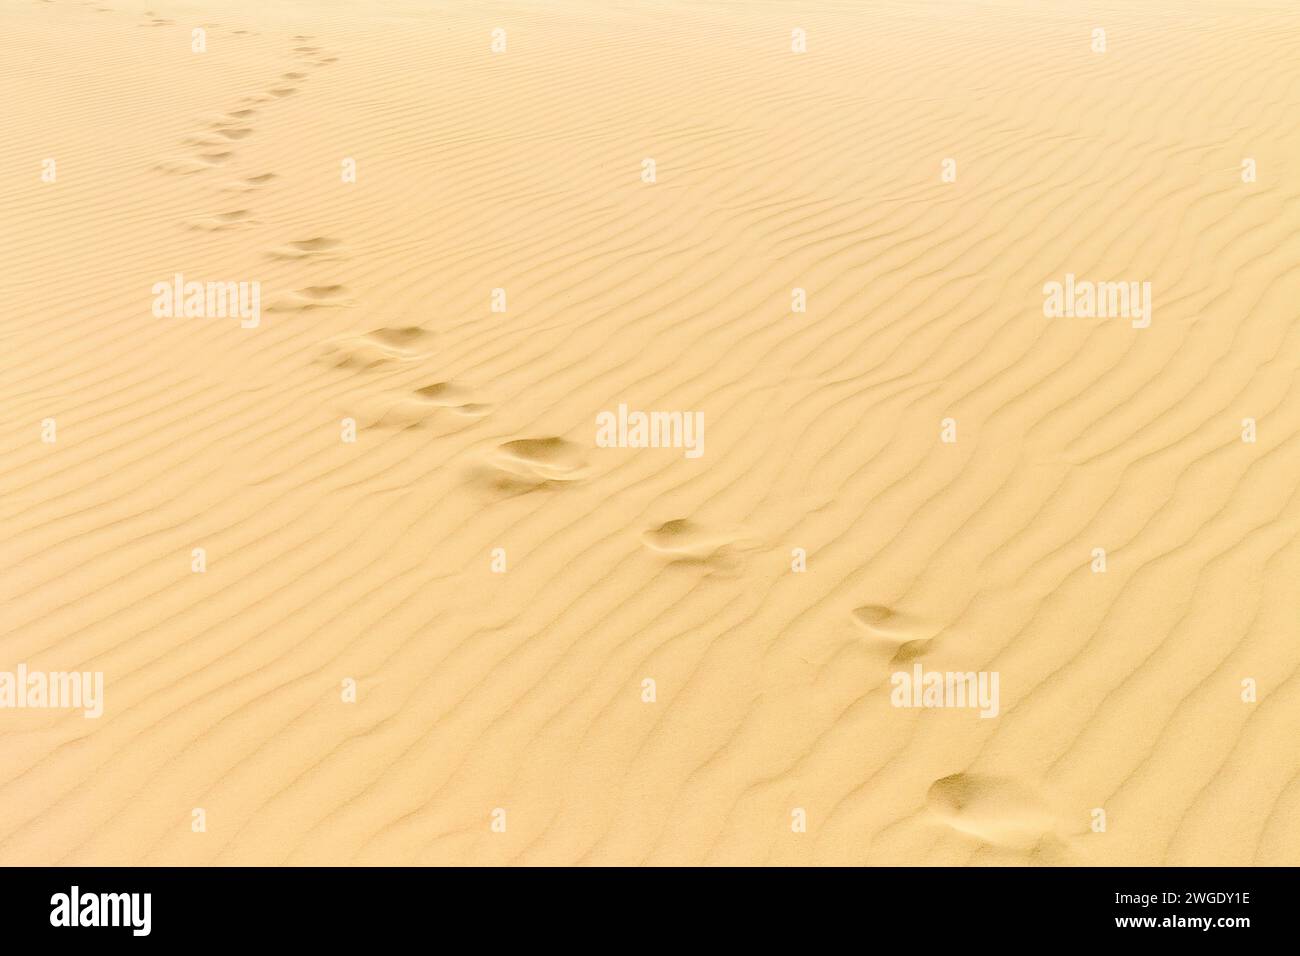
[396, 349]
[513, 467]
[210, 146]
[998, 812]
[213, 145]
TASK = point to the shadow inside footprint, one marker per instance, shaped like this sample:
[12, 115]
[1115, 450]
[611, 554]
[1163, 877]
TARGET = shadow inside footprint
[909, 637]
[402, 335]
[222, 221]
[449, 395]
[682, 540]
[319, 247]
[548, 459]
[382, 347]
[528, 464]
[995, 810]
[188, 165]
[312, 297]
[428, 403]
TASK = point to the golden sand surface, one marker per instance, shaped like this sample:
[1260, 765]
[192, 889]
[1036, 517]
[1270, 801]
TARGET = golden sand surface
[826, 230]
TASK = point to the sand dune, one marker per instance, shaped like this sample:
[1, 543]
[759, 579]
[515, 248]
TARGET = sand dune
[474, 634]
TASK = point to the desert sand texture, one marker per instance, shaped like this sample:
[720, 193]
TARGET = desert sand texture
[366, 584]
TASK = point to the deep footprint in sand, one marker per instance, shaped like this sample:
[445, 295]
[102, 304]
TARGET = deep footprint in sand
[222, 221]
[405, 336]
[546, 459]
[378, 349]
[528, 464]
[883, 621]
[189, 165]
[453, 396]
[318, 247]
[216, 158]
[312, 297]
[908, 637]
[250, 184]
[996, 810]
[683, 540]
[430, 403]
[206, 141]
[229, 126]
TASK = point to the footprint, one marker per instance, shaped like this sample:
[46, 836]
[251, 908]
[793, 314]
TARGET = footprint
[207, 142]
[314, 55]
[683, 540]
[293, 76]
[183, 166]
[312, 297]
[220, 136]
[996, 810]
[449, 395]
[908, 636]
[401, 336]
[441, 394]
[283, 91]
[215, 159]
[878, 619]
[382, 347]
[223, 221]
[428, 403]
[317, 248]
[249, 184]
[527, 464]
[549, 459]
[231, 120]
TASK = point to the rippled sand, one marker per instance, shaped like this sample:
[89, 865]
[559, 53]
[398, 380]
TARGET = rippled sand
[567, 653]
